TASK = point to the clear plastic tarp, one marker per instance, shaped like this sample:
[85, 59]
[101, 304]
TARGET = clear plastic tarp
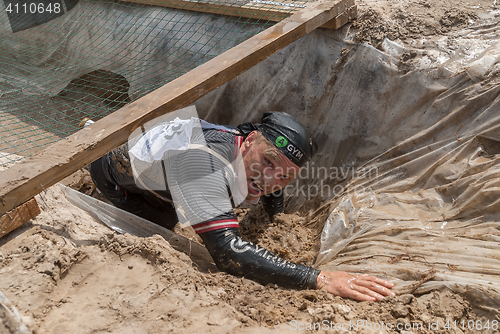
[409, 160]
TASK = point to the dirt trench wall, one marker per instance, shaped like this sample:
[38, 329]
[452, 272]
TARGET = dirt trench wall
[66, 273]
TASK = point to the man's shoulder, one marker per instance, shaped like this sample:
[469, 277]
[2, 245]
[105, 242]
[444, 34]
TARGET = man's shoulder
[220, 133]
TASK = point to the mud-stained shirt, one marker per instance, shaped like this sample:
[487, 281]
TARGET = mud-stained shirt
[201, 181]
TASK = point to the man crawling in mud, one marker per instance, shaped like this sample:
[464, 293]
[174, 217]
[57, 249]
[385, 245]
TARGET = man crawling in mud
[206, 170]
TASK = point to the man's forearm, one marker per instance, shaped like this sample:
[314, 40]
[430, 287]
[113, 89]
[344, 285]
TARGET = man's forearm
[238, 257]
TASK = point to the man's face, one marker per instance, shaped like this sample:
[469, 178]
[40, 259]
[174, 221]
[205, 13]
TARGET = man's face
[267, 169]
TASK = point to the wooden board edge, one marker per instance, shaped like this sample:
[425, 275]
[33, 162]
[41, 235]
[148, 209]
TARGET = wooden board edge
[342, 19]
[18, 216]
[262, 12]
[344, 9]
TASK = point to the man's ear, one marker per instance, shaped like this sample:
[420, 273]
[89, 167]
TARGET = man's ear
[250, 139]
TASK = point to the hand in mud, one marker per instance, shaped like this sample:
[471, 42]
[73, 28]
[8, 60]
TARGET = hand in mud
[363, 287]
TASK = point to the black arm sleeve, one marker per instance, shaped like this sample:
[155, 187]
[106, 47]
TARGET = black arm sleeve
[273, 203]
[238, 257]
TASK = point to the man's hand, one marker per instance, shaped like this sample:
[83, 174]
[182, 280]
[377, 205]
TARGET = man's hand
[363, 288]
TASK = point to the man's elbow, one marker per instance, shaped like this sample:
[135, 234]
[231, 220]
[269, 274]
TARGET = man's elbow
[229, 266]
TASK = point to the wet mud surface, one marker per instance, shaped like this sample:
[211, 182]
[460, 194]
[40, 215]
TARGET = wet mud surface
[67, 273]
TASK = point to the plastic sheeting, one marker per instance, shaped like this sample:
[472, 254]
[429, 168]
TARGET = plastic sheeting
[409, 160]
[124, 222]
[10, 318]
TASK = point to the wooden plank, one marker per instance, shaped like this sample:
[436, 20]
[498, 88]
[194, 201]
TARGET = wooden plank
[273, 11]
[342, 19]
[38, 172]
[18, 216]
[263, 10]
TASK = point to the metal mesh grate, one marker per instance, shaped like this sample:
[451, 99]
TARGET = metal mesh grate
[93, 57]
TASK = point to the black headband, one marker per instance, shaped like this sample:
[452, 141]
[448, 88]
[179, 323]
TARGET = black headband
[291, 137]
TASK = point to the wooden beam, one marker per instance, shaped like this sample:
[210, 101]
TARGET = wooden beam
[18, 216]
[262, 10]
[266, 10]
[347, 16]
[38, 172]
